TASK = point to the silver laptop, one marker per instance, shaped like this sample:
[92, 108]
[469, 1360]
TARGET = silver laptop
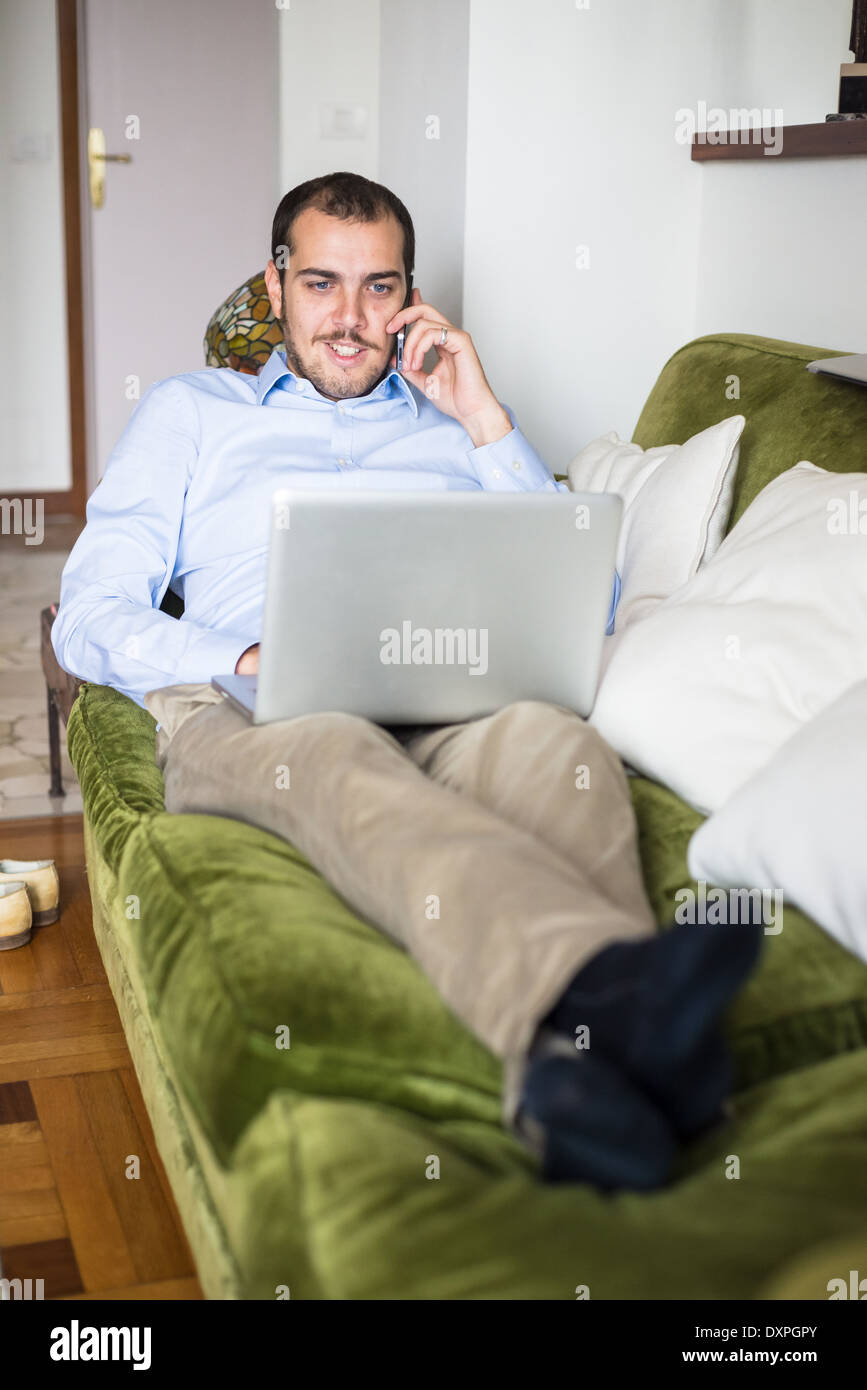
[431, 607]
[853, 368]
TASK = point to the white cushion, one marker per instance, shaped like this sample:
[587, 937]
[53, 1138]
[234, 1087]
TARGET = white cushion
[798, 824]
[677, 499]
[773, 629]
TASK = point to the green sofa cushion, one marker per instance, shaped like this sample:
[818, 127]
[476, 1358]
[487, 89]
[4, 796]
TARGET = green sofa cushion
[808, 998]
[337, 1204]
[791, 413]
[111, 743]
[235, 936]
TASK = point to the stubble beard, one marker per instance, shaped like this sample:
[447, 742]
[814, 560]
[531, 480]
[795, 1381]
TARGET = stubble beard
[335, 384]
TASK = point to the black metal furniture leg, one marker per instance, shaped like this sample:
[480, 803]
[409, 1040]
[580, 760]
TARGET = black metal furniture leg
[57, 788]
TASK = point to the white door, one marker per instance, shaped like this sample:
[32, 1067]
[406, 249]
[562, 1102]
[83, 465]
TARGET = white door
[189, 90]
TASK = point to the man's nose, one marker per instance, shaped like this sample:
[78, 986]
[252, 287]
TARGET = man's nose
[350, 315]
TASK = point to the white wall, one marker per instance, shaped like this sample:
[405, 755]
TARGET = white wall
[401, 61]
[789, 56]
[328, 56]
[423, 136]
[571, 142]
[782, 241]
[34, 383]
[784, 247]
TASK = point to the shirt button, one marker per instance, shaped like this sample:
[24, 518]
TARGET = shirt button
[342, 462]
[299, 386]
[340, 410]
[497, 473]
[517, 463]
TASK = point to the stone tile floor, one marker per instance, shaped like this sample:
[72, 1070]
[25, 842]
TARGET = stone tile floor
[29, 581]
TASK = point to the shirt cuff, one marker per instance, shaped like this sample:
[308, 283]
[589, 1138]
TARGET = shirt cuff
[214, 654]
[511, 464]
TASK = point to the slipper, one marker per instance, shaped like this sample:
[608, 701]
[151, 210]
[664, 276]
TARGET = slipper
[43, 886]
[15, 916]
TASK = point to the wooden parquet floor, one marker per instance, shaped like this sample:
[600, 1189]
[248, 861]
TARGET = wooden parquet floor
[72, 1118]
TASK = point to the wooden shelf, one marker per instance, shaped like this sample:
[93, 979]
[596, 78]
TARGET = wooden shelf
[827, 139]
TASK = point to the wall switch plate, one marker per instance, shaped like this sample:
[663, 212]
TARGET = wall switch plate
[342, 122]
[31, 147]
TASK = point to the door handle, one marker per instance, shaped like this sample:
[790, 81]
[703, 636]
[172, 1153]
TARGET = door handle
[96, 162]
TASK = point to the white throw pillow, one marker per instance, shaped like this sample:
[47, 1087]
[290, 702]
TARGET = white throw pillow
[677, 499]
[701, 694]
[798, 825]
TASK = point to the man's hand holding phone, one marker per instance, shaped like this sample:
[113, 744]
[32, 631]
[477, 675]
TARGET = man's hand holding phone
[457, 385]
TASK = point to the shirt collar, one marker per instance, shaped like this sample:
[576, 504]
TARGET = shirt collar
[275, 372]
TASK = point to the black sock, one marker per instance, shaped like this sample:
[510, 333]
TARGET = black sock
[654, 1008]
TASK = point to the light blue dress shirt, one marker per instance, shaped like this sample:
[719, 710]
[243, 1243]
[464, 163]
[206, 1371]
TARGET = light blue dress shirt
[185, 503]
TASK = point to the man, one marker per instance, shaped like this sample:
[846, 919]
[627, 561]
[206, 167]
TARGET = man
[545, 944]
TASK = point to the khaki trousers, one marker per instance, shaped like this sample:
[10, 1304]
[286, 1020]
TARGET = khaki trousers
[501, 853]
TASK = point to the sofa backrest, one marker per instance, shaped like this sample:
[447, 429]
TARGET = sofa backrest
[791, 414]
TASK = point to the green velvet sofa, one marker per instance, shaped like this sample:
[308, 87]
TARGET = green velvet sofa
[307, 1170]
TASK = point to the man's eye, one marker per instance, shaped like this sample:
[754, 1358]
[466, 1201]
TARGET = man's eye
[322, 284]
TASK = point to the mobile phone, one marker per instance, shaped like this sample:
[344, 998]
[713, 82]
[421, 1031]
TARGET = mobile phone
[401, 334]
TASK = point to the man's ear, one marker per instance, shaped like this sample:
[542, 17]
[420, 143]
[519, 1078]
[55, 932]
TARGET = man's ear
[275, 291]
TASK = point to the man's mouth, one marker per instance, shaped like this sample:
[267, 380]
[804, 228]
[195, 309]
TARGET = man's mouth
[345, 352]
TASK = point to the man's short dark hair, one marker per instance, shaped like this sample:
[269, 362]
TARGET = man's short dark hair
[351, 198]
